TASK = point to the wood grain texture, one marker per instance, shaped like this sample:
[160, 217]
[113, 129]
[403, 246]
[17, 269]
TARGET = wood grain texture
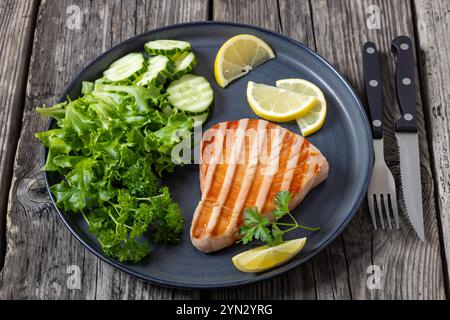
[39, 248]
[433, 26]
[16, 35]
[262, 13]
[410, 269]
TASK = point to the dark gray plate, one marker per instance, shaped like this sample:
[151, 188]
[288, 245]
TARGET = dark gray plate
[345, 140]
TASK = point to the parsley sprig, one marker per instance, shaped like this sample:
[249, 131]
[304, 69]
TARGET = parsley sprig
[109, 148]
[256, 226]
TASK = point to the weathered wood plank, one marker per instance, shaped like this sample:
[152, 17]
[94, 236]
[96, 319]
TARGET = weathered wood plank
[410, 269]
[16, 30]
[433, 24]
[329, 268]
[39, 248]
[262, 13]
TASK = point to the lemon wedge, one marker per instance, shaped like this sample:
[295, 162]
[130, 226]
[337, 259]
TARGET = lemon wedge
[315, 118]
[277, 104]
[238, 56]
[265, 257]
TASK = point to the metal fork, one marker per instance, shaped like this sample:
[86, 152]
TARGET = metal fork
[381, 196]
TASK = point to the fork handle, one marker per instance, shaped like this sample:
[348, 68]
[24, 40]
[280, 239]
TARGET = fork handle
[372, 81]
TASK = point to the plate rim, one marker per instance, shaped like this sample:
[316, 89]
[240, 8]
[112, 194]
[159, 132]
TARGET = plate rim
[260, 277]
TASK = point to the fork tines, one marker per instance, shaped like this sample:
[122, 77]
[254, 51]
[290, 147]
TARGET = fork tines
[385, 206]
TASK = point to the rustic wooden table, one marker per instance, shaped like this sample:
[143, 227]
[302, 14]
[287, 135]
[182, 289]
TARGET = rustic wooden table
[43, 44]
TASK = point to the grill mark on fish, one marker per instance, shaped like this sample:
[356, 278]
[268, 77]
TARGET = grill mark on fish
[292, 163]
[201, 220]
[302, 166]
[295, 164]
[245, 175]
[288, 161]
[272, 168]
[263, 156]
[237, 143]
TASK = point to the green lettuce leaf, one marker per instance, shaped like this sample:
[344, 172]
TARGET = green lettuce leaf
[110, 146]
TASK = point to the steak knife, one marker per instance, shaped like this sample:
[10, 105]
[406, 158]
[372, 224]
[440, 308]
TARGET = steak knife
[406, 132]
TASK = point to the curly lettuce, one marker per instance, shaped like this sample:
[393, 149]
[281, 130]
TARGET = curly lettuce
[111, 146]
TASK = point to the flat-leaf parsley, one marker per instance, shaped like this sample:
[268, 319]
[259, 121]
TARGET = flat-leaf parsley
[258, 227]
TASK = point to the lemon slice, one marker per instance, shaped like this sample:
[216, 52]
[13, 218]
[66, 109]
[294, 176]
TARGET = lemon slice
[265, 257]
[238, 56]
[277, 104]
[315, 118]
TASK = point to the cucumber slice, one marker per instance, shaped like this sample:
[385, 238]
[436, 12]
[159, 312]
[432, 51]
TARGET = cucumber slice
[128, 67]
[191, 93]
[202, 117]
[184, 63]
[166, 47]
[188, 113]
[158, 70]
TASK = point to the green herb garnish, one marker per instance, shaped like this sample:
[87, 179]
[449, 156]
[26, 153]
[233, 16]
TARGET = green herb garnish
[258, 227]
[110, 146]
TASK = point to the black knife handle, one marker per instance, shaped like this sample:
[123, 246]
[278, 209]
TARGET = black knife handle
[372, 81]
[404, 84]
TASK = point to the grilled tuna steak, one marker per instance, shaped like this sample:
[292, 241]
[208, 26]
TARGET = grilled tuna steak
[244, 164]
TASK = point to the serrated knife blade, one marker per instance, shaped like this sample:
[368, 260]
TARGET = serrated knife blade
[407, 134]
[410, 176]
